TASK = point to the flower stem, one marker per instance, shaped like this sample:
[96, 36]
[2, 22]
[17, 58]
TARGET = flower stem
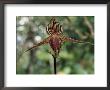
[54, 64]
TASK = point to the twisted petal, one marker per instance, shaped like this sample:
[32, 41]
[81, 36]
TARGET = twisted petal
[67, 39]
[45, 41]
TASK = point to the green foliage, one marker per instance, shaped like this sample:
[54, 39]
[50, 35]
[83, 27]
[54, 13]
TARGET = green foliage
[74, 58]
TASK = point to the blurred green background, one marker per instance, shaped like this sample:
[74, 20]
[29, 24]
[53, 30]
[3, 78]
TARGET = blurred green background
[74, 58]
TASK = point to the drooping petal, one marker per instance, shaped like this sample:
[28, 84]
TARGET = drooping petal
[45, 41]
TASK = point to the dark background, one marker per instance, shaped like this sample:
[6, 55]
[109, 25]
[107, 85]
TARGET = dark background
[56, 1]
